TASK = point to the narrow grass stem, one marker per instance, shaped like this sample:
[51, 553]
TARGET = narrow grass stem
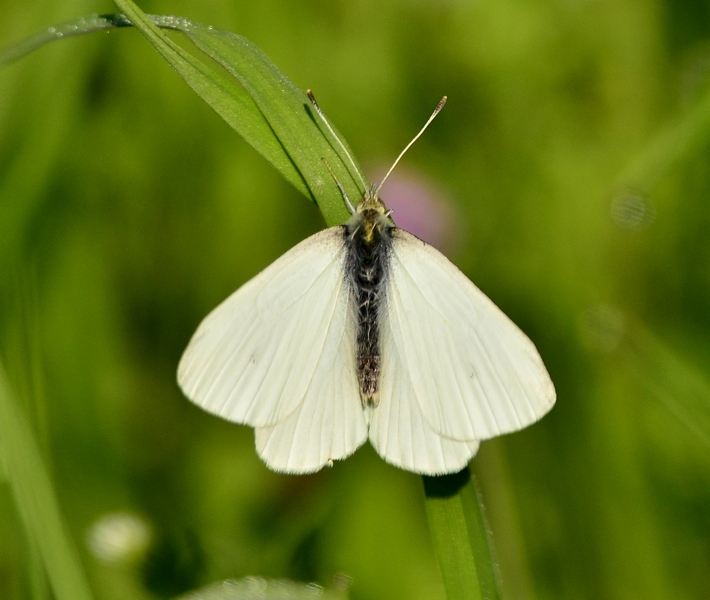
[461, 537]
[37, 502]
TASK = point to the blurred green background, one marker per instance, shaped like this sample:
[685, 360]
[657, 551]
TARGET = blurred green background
[570, 171]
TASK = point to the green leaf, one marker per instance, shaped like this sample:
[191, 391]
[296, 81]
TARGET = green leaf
[460, 535]
[72, 28]
[36, 501]
[289, 113]
[254, 98]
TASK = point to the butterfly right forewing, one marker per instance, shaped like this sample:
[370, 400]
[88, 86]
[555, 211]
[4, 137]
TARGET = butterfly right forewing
[475, 375]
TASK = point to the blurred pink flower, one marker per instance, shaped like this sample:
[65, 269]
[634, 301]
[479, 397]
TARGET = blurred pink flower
[417, 206]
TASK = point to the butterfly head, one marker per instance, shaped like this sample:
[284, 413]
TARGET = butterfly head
[371, 202]
[371, 217]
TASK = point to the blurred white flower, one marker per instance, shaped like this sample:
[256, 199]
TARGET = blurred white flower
[257, 588]
[119, 538]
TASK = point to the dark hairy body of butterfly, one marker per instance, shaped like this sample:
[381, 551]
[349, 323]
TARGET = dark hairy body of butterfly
[368, 238]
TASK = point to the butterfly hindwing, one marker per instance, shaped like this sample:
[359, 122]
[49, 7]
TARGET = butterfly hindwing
[329, 424]
[398, 430]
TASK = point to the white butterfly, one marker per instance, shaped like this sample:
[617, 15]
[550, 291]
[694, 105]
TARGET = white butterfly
[363, 331]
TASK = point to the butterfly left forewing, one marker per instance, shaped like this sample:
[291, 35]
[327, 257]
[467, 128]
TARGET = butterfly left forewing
[475, 375]
[253, 358]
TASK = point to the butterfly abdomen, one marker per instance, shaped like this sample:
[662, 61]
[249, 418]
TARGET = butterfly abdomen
[368, 241]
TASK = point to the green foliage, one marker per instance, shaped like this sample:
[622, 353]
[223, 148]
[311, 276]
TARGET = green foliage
[461, 537]
[36, 501]
[572, 156]
[259, 589]
[263, 106]
[267, 109]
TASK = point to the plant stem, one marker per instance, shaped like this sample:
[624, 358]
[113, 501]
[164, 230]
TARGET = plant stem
[461, 537]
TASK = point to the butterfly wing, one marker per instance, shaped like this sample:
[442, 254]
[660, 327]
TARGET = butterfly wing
[473, 373]
[330, 423]
[398, 430]
[277, 351]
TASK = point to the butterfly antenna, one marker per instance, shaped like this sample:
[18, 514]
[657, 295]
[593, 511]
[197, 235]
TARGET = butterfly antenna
[343, 193]
[437, 110]
[312, 98]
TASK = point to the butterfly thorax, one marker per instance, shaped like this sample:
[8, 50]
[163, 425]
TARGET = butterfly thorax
[368, 237]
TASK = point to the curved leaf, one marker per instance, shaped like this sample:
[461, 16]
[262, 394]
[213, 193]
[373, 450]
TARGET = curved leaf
[284, 109]
[260, 103]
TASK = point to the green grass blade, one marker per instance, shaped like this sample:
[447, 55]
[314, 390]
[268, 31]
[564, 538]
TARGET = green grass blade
[36, 501]
[75, 27]
[460, 536]
[681, 138]
[681, 386]
[258, 101]
[286, 109]
[225, 96]
[289, 113]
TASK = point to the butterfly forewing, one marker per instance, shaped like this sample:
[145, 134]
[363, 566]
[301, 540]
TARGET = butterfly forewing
[261, 354]
[474, 374]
